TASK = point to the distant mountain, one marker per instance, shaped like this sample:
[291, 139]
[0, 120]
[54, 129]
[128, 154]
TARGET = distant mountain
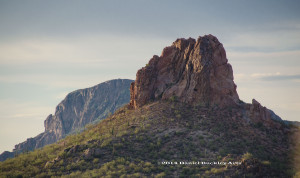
[184, 119]
[78, 109]
[6, 154]
[295, 123]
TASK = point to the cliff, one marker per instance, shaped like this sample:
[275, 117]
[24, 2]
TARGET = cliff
[195, 72]
[79, 108]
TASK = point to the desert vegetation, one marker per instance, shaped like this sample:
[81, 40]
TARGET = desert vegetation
[135, 143]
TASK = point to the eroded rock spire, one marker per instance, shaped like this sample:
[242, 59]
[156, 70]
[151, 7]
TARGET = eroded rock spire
[192, 71]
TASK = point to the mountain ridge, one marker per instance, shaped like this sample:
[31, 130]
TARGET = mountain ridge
[77, 109]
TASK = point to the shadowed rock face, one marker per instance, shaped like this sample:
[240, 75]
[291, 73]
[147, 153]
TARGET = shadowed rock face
[5, 155]
[84, 106]
[79, 108]
[192, 71]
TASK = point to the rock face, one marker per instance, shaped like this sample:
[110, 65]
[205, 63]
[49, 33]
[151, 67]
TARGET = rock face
[194, 72]
[259, 113]
[188, 70]
[79, 108]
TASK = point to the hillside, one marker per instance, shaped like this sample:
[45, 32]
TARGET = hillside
[79, 108]
[136, 142]
[184, 119]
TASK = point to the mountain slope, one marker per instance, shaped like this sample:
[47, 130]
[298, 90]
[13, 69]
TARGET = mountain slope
[184, 119]
[79, 108]
[137, 142]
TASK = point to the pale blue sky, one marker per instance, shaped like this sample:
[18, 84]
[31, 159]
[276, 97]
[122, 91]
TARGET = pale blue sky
[50, 48]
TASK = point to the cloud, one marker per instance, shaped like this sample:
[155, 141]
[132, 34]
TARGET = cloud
[77, 62]
[54, 80]
[23, 110]
[283, 55]
[249, 63]
[282, 36]
[277, 76]
[83, 49]
[281, 77]
[20, 120]
[261, 75]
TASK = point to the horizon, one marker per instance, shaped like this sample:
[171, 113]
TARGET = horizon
[49, 49]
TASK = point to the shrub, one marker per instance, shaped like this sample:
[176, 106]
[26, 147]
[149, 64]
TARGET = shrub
[266, 162]
[160, 175]
[247, 156]
[96, 160]
[173, 98]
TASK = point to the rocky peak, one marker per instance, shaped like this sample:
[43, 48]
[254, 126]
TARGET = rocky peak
[193, 71]
[79, 108]
[259, 113]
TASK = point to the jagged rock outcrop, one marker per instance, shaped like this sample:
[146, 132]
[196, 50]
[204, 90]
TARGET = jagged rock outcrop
[79, 108]
[192, 71]
[260, 114]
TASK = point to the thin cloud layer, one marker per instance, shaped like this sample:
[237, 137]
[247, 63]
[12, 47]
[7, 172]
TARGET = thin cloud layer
[281, 77]
[268, 77]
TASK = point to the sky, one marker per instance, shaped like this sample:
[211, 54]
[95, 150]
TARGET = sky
[50, 48]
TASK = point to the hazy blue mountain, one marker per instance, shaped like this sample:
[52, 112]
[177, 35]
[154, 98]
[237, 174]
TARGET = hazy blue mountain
[79, 108]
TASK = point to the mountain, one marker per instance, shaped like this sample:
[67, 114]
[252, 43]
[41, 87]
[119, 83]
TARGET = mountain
[184, 119]
[192, 71]
[79, 108]
[6, 154]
